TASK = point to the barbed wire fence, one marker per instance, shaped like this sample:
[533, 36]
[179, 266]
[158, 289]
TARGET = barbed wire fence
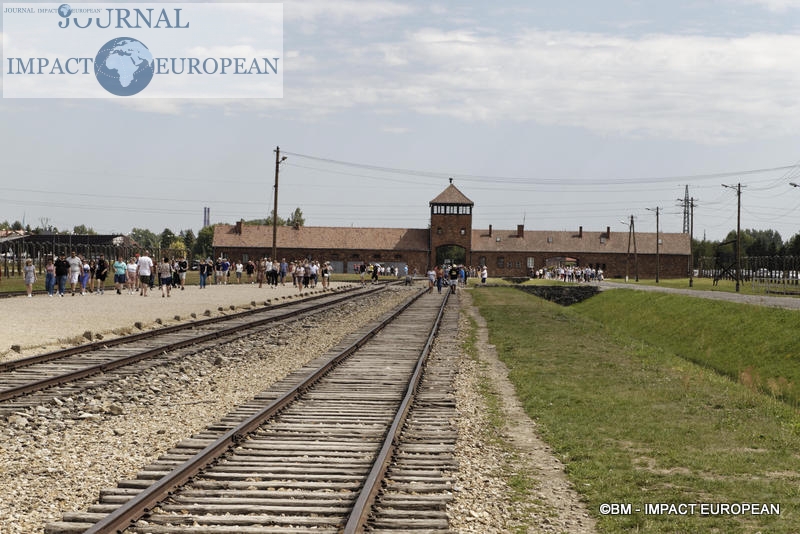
[768, 274]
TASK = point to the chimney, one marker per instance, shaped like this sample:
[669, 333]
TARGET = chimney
[520, 230]
[580, 231]
[608, 232]
[490, 230]
[239, 226]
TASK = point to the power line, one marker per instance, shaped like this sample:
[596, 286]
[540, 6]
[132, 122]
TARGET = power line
[542, 181]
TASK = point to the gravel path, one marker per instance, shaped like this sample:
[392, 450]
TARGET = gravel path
[42, 323]
[790, 303]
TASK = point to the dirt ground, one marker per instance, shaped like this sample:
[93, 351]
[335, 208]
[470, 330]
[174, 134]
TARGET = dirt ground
[553, 491]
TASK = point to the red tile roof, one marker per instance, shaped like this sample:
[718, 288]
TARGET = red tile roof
[564, 243]
[413, 239]
[451, 195]
[322, 237]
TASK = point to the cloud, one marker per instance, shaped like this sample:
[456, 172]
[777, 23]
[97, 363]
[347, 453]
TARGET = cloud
[347, 11]
[707, 89]
[776, 6]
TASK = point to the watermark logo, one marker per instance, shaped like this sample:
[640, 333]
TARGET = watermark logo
[124, 66]
[98, 50]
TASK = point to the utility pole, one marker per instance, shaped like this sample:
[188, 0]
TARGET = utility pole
[278, 161]
[691, 241]
[658, 244]
[686, 222]
[631, 234]
[738, 190]
[688, 227]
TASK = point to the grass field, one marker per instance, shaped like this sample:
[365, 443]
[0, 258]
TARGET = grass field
[660, 399]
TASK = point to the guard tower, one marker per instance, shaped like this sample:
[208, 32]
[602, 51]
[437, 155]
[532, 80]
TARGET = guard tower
[451, 226]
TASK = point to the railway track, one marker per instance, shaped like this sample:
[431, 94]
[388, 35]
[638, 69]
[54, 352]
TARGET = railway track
[40, 379]
[316, 450]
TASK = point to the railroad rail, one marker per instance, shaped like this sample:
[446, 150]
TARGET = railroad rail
[30, 381]
[313, 451]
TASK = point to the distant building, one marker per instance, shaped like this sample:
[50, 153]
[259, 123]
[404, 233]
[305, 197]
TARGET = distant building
[451, 238]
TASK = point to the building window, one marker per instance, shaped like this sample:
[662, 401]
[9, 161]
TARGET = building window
[376, 256]
[439, 230]
[549, 239]
[463, 231]
[530, 263]
[482, 261]
[245, 258]
[518, 265]
[501, 262]
[354, 256]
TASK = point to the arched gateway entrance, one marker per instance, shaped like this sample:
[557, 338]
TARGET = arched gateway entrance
[451, 254]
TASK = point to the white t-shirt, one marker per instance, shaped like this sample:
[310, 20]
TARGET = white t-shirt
[145, 265]
[75, 264]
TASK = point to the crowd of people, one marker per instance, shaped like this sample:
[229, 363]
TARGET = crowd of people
[302, 274]
[453, 276]
[374, 270]
[140, 273]
[80, 275]
[570, 273]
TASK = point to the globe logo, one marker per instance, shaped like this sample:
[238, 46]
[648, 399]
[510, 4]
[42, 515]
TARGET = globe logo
[123, 66]
[64, 10]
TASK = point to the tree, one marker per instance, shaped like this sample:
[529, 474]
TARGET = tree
[188, 239]
[203, 245]
[16, 225]
[82, 229]
[178, 246]
[793, 245]
[167, 236]
[296, 218]
[144, 238]
[761, 242]
[703, 249]
[267, 221]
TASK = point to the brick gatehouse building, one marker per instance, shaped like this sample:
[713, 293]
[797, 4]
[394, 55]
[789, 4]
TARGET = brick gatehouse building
[451, 237]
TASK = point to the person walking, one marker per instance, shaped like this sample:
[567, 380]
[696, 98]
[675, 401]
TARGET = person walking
[85, 276]
[101, 272]
[183, 268]
[131, 276]
[239, 271]
[203, 270]
[29, 271]
[75, 269]
[165, 277]
[453, 275]
[62, 272]
[120, 268]
[144, 270]
[50, 277]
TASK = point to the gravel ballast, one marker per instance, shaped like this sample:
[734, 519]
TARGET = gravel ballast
[57, 458]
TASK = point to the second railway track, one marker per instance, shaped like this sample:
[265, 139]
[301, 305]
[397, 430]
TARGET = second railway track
[37, 380]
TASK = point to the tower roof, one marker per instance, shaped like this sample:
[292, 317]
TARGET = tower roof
[451, 195]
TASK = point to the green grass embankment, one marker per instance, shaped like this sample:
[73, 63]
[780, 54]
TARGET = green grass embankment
[615, 388]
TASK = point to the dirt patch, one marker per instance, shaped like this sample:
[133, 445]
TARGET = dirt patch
[561, 508]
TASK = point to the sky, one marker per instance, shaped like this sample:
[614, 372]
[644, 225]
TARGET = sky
[554, 115]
